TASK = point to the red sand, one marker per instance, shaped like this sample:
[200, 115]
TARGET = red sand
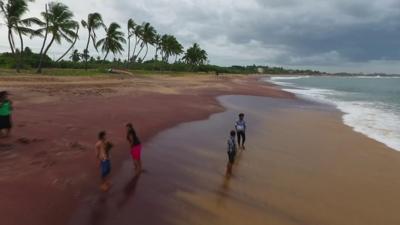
[48, 164]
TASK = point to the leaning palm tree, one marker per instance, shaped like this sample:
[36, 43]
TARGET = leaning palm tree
[147, 37]
[12, 11]
[157, 44]
[131, 29]
[59, 25]
[93, 22]
[169, 46]
[113, 40]
[177, 49]
[138, 32]
[73, 43]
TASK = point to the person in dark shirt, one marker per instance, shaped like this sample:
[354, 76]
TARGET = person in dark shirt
[231, 151]
[135, 146]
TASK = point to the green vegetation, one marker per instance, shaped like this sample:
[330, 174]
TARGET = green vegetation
[58, 25]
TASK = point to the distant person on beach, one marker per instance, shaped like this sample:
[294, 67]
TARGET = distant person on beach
[136, 147]
[241, 130]
[231, 151]
[5, 114]
[103, 148]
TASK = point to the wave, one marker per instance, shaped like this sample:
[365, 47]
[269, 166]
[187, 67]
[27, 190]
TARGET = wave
[376, 120]
[287, 77]
[376, 77]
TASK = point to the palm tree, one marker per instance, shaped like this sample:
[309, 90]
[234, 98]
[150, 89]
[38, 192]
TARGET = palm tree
[113, 40]
[12, 11]
[59, 25]
[177, 49]
[75, 56]
[170, 46]
[73, 43]
[93, 22]
[147, 36]
[131, 29]
[138, 34]
[157, 43]
[195, 55]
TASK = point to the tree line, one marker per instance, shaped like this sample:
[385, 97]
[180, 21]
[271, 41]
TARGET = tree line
[57, 25]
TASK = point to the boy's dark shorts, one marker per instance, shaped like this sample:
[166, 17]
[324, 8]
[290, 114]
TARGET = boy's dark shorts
[231, 156]
[105, 168]
[5, 122]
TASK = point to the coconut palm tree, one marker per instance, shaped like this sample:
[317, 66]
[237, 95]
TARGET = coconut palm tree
[157, 44]
[113, 40]
[138, 35]
[131, 32]
[12, 11]
[75, 56]
[59, 25]
[177, 49]
[73, 43]
[93, 22]
[169, 47]
[195, 55]
[147, 36]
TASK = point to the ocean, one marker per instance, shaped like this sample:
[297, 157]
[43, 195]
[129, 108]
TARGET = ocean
[370, 104]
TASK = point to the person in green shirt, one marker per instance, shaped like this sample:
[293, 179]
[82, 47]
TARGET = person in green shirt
[5, 114]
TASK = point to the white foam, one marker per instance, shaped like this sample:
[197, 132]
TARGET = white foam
[375, 77]
[274, 78]
[375, 120]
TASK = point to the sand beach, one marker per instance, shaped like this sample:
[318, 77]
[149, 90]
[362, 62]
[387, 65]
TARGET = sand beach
[302, 165]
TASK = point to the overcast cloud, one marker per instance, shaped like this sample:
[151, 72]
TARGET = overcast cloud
[329, 35]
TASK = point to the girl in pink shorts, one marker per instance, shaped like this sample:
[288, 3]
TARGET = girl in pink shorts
[136, 147]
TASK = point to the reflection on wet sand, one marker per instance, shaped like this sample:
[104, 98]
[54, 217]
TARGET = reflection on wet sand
[129, 191]
[301, 166]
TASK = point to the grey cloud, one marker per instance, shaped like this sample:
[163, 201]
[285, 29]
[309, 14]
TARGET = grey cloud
[313, 33]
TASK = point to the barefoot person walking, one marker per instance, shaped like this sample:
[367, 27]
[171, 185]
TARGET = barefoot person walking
[5, 114]
[231, 151]
[136, 147]
[103, 148]
[241, 130]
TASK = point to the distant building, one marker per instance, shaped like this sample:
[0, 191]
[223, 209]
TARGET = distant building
[260, 70]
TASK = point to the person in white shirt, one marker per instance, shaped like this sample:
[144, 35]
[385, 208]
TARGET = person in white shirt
[241, 130]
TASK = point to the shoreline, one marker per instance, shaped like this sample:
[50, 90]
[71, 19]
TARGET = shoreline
[56, 138]
[368, 118]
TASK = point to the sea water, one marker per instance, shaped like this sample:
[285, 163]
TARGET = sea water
[371, 104]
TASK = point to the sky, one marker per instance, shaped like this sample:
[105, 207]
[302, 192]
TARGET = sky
[327, 35]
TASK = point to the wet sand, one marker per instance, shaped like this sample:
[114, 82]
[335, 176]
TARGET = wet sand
[47, 167]
[301, 166]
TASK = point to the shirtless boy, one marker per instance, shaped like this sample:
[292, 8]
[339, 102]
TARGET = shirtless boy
[103, 148]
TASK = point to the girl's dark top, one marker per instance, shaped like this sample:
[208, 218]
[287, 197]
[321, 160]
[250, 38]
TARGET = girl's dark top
[133, 138]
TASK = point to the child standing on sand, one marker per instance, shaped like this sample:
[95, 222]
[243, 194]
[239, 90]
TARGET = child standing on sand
[240, 126]
[136, 147]
[231, 151]
[5, 114]
[103, 148]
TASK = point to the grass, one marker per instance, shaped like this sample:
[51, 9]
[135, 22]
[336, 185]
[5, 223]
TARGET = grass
[93, 72]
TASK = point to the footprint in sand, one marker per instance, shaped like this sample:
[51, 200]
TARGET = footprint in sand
[27, 141]
[77, 146]
[40, 154]
[5, 147]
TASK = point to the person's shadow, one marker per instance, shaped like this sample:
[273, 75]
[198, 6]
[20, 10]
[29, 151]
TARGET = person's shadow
[129, 190]
[99, 212]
